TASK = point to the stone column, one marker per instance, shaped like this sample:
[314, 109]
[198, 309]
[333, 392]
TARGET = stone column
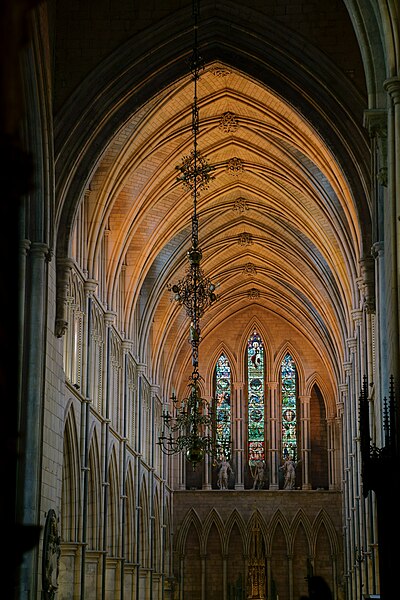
[273, 434]
[269, 576]
[203, 577]
[381, 350]
[290, 573]
[24, 248]
[331, 422]
[31, 415]
[305, 440]
[392, 227]
[239, 434]
[182, 470]
[224, 577]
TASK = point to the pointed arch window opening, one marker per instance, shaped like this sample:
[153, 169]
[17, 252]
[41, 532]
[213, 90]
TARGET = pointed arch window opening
[223, 407]
[289, 407]
[255, 399]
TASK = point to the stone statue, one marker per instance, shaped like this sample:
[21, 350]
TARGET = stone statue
[51, 556]
[289, 469]
[225, 470]
[259, 474]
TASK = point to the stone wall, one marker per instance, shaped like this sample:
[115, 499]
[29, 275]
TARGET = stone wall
[301, 535]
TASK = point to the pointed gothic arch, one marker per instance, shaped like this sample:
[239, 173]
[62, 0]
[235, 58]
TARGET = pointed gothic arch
[94, 524]
[70, 479]
[191, 518]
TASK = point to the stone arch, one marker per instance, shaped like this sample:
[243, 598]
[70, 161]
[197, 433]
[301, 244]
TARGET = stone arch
[191, 561]
[143, 548]
[236, 519]
[256, 520]
[324, 519]
[378, 49]
[130, 524]
[213, 518]
[319, 439]
[316, 379]
[95, 478]
[278, 555]
[325, 556]
[301, 520]
[70, 493]
[157, 531]
[236, 542]
[278, 520]
[112, 504]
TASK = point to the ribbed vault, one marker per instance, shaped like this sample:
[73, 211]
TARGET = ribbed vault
[285, 231]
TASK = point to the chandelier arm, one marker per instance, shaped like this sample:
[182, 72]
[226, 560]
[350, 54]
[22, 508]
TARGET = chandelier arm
[193, 418]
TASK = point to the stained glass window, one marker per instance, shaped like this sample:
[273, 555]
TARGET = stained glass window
[255, 390]
[223, 404]
[289, 408]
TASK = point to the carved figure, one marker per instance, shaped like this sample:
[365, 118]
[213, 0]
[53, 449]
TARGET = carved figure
[289, 469]
[225, 470]
[259, 474]
[51, 556]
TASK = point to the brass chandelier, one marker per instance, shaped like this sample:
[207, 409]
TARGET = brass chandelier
[190, 428]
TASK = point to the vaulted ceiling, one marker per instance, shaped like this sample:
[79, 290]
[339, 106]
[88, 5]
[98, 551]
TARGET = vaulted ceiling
[280, 224]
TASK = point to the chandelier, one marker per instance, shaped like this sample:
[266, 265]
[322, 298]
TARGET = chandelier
[190, 428]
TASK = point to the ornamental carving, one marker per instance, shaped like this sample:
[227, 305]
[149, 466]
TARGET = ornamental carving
[249, 269]
[51, 556]
[221, 72]
[240, 205]
[235, 166]
[376, 122]
[253, 293]
[228, 122]
[245, 239]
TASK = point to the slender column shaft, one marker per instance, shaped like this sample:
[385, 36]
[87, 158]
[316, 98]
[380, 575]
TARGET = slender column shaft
[238, 434]
[305, 440]
[31, 418]
[273, 437]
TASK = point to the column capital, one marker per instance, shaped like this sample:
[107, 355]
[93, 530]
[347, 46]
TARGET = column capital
[127, 345]
[356, 316]
[348, 366]
[109, 317]
[238, 385]
[24, 246]
[155, 390]
[352, 344]
[377, 249]
[141, 368]
[375, 121]
[90, 286]
[392, 86]
[39, 248]
[272, 385]
[305, 398]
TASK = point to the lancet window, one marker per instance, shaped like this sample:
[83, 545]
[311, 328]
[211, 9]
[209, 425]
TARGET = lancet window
[255, 402]
[223, 412]
[289, 407]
